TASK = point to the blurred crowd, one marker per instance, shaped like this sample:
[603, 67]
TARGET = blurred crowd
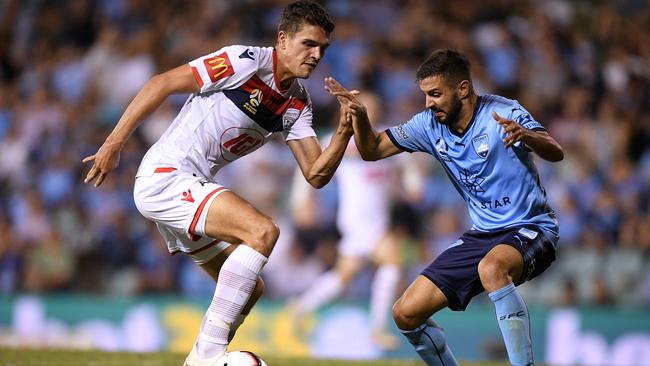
[69, 68]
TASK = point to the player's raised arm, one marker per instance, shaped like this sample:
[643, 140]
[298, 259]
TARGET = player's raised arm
[152, 94]
[372, 145]
[539, 141]
[318, 166]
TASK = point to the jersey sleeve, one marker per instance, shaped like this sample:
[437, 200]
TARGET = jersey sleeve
[302, 115]
[226, 68]
[411, 135]
[520, 115]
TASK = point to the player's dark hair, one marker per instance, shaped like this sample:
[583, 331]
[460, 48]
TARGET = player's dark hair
[305, 11]
[452, 65]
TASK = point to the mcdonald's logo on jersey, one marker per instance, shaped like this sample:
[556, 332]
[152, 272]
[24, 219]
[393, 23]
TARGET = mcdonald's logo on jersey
[218, 67]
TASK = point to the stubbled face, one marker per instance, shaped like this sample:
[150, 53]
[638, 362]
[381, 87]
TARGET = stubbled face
[442, 99]
[303, 50]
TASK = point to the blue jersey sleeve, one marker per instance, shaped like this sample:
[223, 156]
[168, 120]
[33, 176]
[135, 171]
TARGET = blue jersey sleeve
[520, 115]
[411, 136]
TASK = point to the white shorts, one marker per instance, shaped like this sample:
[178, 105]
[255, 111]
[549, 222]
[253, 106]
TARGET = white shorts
[362, 241]
[178, 202]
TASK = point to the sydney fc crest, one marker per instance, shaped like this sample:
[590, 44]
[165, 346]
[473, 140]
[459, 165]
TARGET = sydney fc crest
[289, 118]
[480, 144]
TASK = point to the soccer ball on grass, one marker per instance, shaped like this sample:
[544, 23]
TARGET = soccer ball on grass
[240, 358]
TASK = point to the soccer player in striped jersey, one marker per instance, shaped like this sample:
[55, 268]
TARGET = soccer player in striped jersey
[485, 144]
[240, 97]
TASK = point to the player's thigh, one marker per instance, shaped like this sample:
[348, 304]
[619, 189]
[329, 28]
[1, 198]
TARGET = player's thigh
[231, 218]
[503, 264]
[348, 267]
[420, 300]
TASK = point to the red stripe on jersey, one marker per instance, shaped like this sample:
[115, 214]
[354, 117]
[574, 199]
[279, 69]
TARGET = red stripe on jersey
[197, 76]
[195, 220]
[271, 99]
[275, 72]
[164, 170]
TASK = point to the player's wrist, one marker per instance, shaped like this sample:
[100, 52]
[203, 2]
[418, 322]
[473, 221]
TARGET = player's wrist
[114, 143]
[345, 131]
[526, 135]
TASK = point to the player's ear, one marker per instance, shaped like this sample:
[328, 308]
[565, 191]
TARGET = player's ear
[464, 88]
[282, 40]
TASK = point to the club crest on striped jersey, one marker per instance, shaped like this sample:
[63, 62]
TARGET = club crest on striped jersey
[254, 101]
[481, 146]
[289, 118]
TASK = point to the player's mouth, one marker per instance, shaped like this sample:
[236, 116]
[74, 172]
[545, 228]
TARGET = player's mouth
[439, 113]
[310, 65]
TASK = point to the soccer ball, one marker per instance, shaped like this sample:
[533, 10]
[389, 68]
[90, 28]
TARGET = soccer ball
[240, 358]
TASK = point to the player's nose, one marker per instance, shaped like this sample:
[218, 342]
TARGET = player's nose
[317, 53]
[429, 103]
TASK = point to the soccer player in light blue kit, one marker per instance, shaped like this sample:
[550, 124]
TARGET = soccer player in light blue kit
[485, 144]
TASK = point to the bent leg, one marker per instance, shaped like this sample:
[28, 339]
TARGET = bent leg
[411, 313]
[232, 219]
[499, 270]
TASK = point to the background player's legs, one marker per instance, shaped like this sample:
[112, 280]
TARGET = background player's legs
[387, 258]
[411, 313]
[498, 270]
[232, 219]
[328, 286]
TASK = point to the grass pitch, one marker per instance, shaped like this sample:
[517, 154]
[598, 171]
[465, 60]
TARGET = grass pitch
[34, 357]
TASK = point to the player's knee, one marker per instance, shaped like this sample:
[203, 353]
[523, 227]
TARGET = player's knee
[403, 318]
[493, 273]
[264, 236]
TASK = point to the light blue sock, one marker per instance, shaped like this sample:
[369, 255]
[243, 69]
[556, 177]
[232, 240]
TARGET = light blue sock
[512, 316]
[430, 343]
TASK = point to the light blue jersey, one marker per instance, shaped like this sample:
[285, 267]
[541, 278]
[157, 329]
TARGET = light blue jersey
[501, 186]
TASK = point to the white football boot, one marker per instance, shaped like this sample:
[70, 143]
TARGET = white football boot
[193, 358]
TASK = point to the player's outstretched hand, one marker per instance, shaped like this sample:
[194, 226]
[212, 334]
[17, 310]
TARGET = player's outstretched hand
[104, 160]
[514, 131]
[345, 97]
[345, 120]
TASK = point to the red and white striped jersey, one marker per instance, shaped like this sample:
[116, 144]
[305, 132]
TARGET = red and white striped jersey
[240, 105]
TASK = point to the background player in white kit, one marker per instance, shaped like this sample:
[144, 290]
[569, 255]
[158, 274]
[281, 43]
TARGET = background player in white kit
[240, 97]
[363, 220]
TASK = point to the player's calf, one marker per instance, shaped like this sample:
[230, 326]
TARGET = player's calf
[514, 322]
[430, 343]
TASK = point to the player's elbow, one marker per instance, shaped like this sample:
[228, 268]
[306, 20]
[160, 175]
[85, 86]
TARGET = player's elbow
[369, 156]
[318, 182]
[559, 156]
[556, 155]
[157, 85]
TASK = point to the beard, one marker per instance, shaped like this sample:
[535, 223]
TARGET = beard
[451, 117]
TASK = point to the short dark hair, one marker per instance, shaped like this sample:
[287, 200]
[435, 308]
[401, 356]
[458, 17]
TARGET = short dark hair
[452, 65]
[305, 11]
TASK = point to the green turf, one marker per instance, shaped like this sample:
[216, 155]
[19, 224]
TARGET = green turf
[34, 357]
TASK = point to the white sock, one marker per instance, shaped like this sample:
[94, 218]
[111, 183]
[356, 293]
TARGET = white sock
[235, 325]
[382, 295]
[325, 289]
[237, 280]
